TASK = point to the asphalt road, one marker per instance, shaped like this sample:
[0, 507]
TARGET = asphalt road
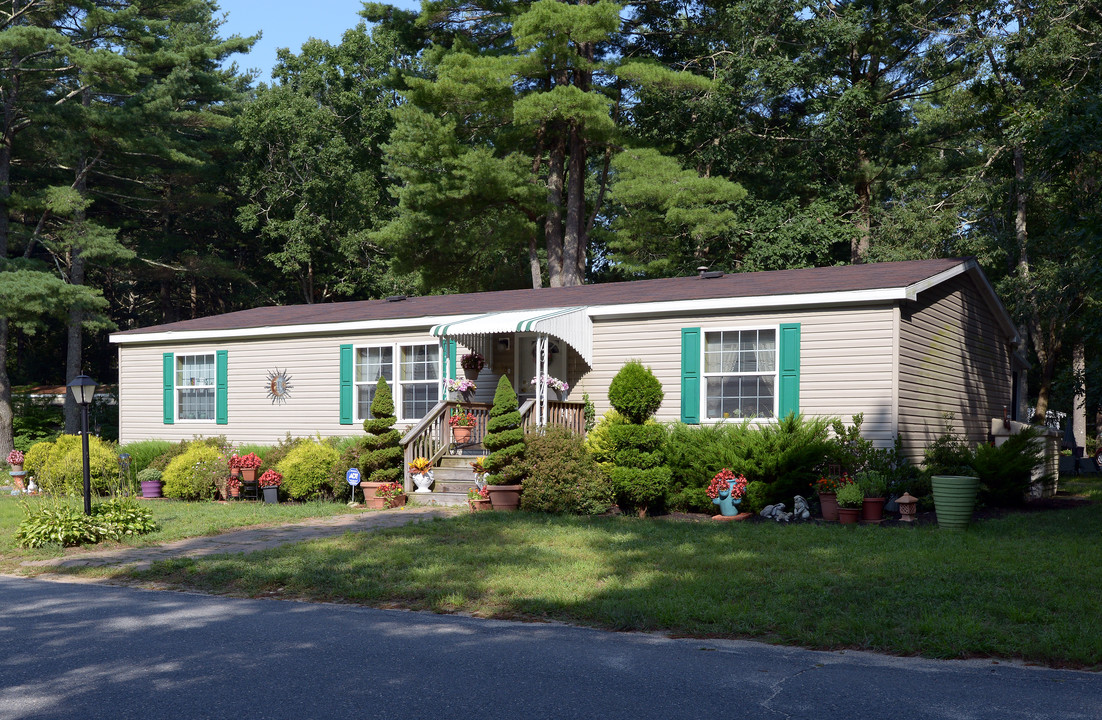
[75, 650]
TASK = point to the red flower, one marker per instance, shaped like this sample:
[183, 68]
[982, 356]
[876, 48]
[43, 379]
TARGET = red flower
[270, 478]
[726, 480]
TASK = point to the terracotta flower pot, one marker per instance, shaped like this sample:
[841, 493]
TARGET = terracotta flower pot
[829, 504]
[504, 497]
[848, 516]
[872, 511]
[17, 467]
[479, 505]
[248, 474]
[461, 435]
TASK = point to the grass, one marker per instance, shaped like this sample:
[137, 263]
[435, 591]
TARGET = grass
[176, 520]
[1023, 586]
[1017, 587]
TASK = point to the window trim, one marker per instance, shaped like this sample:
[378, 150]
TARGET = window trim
[176, 388]
[705, 375]
[396, 382]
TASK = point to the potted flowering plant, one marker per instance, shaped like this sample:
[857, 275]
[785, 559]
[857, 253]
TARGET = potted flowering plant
[559, 386]
[850, 499]
[726, 490]
[270, 482]
[827, 489]
[478, 499]
[472, 364]
[464, 387]
[462, 423]
[15, 459]
[247, 464]
[421, 472]
[233, 485]
[390, 495]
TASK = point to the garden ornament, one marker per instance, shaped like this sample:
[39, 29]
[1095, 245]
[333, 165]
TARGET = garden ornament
[800, 511]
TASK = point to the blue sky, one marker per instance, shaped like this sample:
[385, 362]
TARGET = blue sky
[290, 24]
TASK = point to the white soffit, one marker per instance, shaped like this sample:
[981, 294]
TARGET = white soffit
[571, 325]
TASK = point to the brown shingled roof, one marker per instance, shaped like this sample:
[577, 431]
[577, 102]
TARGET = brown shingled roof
[845, 278]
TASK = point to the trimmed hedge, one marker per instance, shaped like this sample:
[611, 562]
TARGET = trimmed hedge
[194, 474]
[562, 477]
[306, 470]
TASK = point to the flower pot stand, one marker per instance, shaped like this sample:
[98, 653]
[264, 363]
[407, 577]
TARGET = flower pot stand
[17, 476]
[250, 490]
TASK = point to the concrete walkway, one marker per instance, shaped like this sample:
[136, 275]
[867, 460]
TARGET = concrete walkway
[251, 539]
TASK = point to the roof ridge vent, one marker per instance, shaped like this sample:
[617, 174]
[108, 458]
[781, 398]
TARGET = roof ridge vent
[396, 298]
[701, 270]
[712, 274]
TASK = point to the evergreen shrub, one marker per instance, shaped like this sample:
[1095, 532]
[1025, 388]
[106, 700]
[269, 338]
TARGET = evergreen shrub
[504, 438]
[306, 470]
[382, 460]
[58, 467]
[1006, 471]
[194, 474]
[635, 392]
[561, 475]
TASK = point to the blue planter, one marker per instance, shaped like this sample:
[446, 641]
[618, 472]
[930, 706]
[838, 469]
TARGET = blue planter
[728, 506]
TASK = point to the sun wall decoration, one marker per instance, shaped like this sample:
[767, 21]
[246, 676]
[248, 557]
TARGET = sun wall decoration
[279, 386]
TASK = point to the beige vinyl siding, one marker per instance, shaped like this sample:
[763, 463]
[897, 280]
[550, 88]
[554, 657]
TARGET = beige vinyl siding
[953, 357]
[846, 360]
[313, 364]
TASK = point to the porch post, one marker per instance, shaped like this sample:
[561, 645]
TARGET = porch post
[541, 389]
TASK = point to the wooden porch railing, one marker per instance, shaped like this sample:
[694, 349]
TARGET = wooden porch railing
[431, 437]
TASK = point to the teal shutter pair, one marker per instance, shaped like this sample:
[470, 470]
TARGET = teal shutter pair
[691, 366]
[347, 370]
[221, 387]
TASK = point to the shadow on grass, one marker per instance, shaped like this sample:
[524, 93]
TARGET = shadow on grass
[1021, 587]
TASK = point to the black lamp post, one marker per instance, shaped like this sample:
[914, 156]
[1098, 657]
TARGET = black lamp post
[83, 389]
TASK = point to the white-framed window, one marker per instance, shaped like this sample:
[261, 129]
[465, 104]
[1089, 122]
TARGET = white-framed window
[417, 388]
[371, 363]
[418, 379]
[195, 394]
[740, 373]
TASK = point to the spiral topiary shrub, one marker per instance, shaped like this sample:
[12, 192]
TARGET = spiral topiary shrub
[635, 392]
[306, 470]
[504, 438]
[194, 474]
[382, 459]
[639, 477]
[58, 467]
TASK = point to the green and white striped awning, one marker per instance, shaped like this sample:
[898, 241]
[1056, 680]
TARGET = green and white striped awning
[570, 325]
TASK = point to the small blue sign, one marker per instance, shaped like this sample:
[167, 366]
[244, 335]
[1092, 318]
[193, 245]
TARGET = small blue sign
[352, 476]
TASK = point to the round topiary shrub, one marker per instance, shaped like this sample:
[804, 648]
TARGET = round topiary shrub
[635, 392]
[194, 474]
[504, 438]
[561, 476]
[58, 467]
[305, 470]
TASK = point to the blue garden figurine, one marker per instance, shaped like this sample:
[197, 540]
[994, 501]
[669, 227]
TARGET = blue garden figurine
[726, 490]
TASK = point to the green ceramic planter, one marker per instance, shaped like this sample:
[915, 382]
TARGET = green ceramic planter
[954, 499]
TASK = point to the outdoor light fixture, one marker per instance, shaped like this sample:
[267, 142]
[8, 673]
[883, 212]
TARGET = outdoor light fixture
[83, 389]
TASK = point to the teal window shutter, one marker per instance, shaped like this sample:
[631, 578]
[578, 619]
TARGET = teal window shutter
[789, 393]
[169, 400]
[221, 386]
[346, 384]
[690, 376]
[452, 351]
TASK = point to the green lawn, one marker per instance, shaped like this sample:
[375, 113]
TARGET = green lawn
[1024, 586]
[175, 519]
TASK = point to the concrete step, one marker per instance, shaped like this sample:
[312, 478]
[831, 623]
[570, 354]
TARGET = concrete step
[439, 498]
[459, 461]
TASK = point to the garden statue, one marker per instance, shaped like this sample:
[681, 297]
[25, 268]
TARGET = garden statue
[776, 512]
[800, 511]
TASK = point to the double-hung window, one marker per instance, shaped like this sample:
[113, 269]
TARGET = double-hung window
[372, 363]
[417, 388]
[195, 392]
[740, 373]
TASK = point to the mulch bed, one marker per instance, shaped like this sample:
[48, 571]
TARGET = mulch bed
[1061, 501]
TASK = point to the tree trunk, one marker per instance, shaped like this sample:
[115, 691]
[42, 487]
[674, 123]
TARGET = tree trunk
[552, 225]
[534, 262]
[574, 232]
[1079, 403]
[6, 414]
[74, 344]
[859, 245]
[7, 437]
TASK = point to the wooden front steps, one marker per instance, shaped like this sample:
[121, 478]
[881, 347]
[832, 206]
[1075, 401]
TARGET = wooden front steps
[452, 478]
